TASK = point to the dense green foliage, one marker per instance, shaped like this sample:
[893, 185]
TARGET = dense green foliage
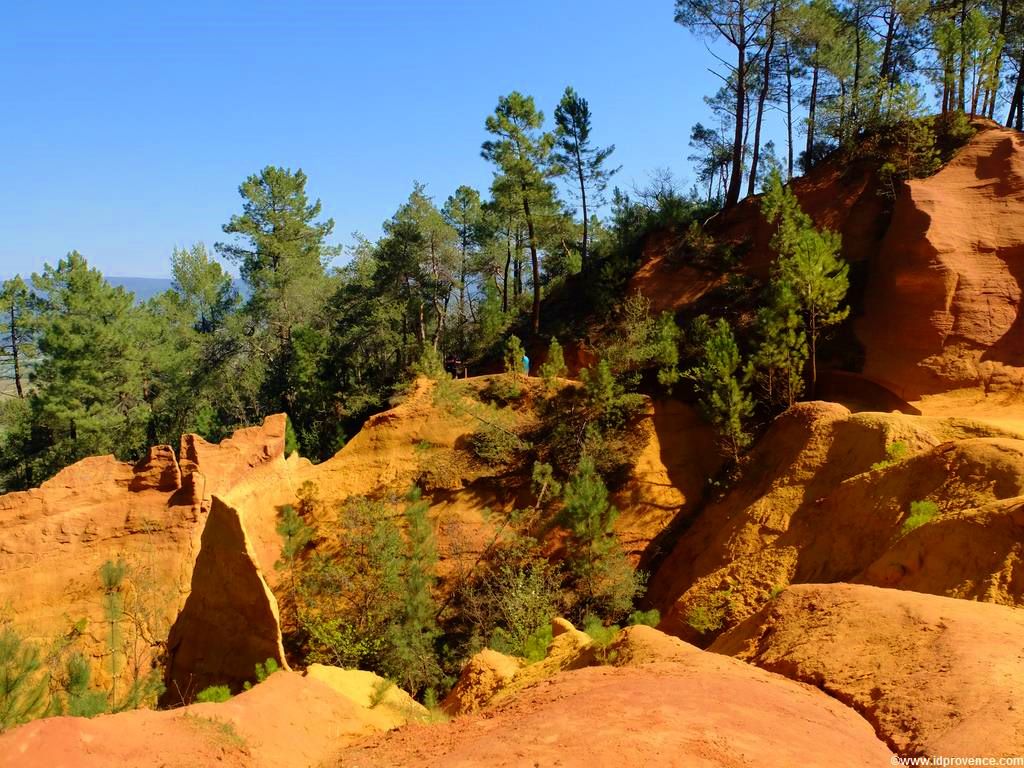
[848, 74]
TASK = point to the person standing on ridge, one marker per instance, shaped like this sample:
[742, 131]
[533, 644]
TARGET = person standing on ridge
[526, 365]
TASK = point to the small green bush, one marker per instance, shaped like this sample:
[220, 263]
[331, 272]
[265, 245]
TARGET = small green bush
[24, 682]
[536, 646]
[894, 453]
[429, 364]
[921, 512]
[495, 446]
[214, 694]
[599, 633]
[263, 671]
[554, 367]
[514, 354]
[503, 390]
[710, 616]
[380, 692]
[291, 440]
[651, 618]
[533, 648]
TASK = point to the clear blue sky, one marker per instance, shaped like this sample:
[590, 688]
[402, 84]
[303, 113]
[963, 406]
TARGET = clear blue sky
[127, 127]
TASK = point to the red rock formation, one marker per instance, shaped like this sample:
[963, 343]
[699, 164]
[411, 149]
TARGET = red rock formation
[230, 620]
[289, 721]
[53, 539]
[944, 292]
[225, 465]
[696, 711]
[836, 195]
[810, 508]
[935, 676]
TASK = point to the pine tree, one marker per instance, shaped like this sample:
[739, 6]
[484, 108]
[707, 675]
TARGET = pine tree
[721, 387]
[204, 286]
[87, 384]
[809, 265]
[521, 151]
[782, 350]
[554, 367]
[112, 575]
[604, 583]
[17, 339]
[576, 156]
[465, 215]
[738, 23]
[282, 252]
[24, 684]
[280, 248]
[414, 657]
[514, 354]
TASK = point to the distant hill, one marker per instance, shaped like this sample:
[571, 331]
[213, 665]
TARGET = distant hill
[146, 288]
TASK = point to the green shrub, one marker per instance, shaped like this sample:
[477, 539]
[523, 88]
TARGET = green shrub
[894, 452]
[429, 364]
[263, 671]
[651, 618]
[921, 512]
[24, 683]
[514, 354]
[536, 646]
[710, 616]
[380, 692]
[82, 702]
[533, 648]
[554, 367]
[291, 440]
[495, 446]
[214, 694]
[503, 390]
[601, 635]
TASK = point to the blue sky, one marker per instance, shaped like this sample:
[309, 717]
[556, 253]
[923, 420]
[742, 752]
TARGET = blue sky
[127, 127]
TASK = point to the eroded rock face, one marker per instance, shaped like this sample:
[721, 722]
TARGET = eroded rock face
[812, 507]
[289, 721]
[159, 471]
[943, 303]
[934, 675]
[55, 538]
[223, 466]
[230, 621]
[482, 677]
[699, 711]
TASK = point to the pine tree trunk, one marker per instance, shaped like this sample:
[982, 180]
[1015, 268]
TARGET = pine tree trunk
[884, 73]
[1016, 94]
[508, 263]
[583, 202]
[732, 196]
[994, 91]
[814, 355]
[762, 97]
[811, 108]
[15, 353]
[789, 112]
[961, 96]
[534, 264]
[855, 95]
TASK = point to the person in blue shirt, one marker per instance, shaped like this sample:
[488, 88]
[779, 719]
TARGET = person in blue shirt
[526, 365]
